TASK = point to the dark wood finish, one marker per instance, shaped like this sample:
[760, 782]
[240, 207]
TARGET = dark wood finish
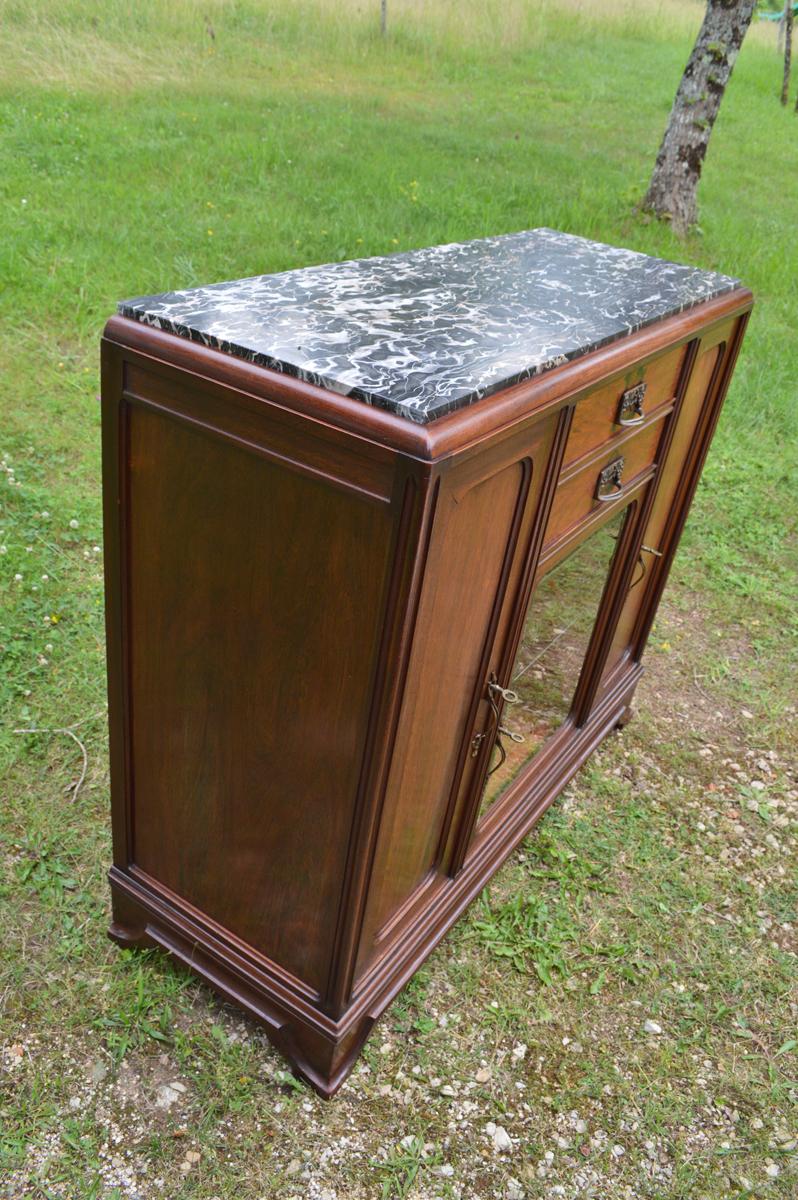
[225, 747]
[306, 600]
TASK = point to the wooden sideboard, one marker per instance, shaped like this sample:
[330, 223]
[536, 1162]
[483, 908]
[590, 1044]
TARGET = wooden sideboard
[353, 654]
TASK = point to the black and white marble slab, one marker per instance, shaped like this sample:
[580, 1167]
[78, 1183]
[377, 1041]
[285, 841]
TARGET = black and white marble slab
[429, 331]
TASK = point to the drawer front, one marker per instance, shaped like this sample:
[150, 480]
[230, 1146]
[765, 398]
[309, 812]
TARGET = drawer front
[623, 404]
[605, 479]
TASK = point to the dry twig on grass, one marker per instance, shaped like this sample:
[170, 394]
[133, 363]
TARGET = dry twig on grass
[69, 731]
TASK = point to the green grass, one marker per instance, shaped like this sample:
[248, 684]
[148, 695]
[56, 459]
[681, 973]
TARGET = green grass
[167, 144]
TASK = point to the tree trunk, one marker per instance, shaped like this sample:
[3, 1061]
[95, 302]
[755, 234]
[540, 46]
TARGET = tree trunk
[672, 191]
[785, 83]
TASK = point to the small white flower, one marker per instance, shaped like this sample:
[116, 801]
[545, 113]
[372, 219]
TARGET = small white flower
[42, 661]
[96, 549]
[3, 549]
[45, 516]
[17, 578]
[73, 524]
[45, 578]
[49, 647]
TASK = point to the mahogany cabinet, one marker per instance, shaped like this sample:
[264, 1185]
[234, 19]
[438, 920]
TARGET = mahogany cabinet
[384, 542]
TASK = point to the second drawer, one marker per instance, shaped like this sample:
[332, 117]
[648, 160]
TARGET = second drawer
[603, 481]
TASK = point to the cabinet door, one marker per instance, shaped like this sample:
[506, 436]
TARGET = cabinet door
[564, 638]
[596, 588]
[688, 439]
[486, 523]
[550, 675]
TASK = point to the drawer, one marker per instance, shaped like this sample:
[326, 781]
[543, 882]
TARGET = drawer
[604, 481]
[623, 404]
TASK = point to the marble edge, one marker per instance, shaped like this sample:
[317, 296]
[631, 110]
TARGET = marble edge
[135, 309]
[398, 407]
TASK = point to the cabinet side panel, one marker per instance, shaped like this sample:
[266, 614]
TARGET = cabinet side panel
[255, 600]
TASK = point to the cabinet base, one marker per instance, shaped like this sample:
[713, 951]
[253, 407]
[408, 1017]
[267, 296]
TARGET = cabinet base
[321, 1052]
[321, 1049]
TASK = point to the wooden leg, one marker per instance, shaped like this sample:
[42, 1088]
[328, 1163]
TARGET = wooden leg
[129, 925]
[625, 717]
[322, 1062]
[322, 1057]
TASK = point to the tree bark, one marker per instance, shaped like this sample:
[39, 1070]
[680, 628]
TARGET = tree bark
[672, 191]
[785, 83]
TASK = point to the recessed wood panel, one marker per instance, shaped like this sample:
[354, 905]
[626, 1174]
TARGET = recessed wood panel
[687, 421]
[471, 541]
[255, 603]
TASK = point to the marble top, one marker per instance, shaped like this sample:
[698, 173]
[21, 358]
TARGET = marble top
[426, 332]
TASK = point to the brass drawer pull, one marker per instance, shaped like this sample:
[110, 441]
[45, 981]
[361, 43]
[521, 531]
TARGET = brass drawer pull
[610, 480]
[630, 409]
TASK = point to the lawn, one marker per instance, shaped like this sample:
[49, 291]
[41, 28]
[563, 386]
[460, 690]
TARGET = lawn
[622, 1000]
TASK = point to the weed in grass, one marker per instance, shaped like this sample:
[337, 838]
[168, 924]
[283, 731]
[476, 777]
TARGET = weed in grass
[400, 1168]
[139, 1017]
[524, 930]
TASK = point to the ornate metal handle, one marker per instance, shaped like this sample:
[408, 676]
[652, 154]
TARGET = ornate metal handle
[505, 694]
[630, 409]
[495, 694]
[610, 481]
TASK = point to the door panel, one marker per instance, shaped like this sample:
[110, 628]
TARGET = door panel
[688, 419]
[485, 516]
[559, 623]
